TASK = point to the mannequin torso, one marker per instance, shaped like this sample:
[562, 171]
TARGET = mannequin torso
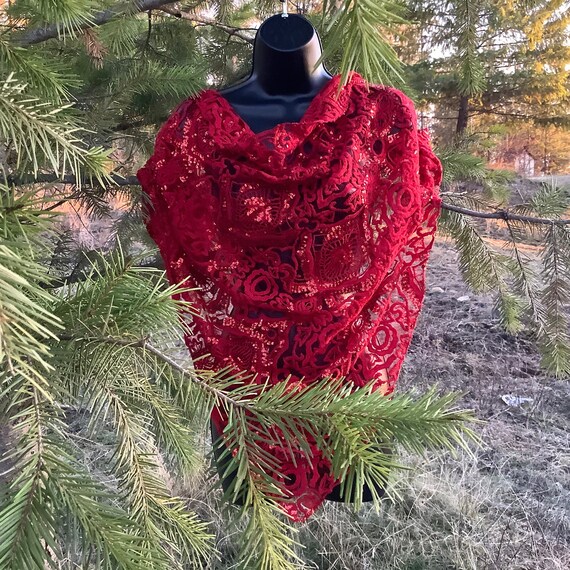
[284, 79]
[283, 82]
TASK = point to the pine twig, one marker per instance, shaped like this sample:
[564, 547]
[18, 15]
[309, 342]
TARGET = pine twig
[231, 30]
[500, 214]
[133, 181]
[38, 35]
[503, 215]
[145, 345]
[68, 179]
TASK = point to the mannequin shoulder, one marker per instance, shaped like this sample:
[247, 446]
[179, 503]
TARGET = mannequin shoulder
[178, 120]
[392, 102]
[389, 93]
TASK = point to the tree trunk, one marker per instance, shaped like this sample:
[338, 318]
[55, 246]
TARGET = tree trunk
[463, 115]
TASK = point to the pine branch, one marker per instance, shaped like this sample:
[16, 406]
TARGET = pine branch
[230, 30]
[50, 481]
[358, 29]
[38, 134]
[459, 164]
[150, 504]
[155, 80]
[267, 541]
[171, 428]
[310, 412]
[551, 200]
[482, 268]
[108, 527]
[27, 523]
[133, 465]
[472, 72]
[42, 178]
[120, 180]
[503, 215]
[525, 283]
[47, 78]
[114, 384]
[25, 324]
[37, 35]
[68, 15]
[368, 465]
[320, 400]
[120, 37]
[555, 343]
[25, 221]
[144, 344]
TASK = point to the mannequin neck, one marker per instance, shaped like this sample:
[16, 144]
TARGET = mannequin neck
[290, 70]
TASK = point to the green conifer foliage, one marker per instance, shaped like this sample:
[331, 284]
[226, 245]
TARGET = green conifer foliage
[90, 338]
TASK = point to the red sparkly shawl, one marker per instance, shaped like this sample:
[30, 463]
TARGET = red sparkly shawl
[308, 242]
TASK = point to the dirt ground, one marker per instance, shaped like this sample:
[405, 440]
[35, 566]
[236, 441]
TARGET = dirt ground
[507, 508]
[526, 457]
[560, 179]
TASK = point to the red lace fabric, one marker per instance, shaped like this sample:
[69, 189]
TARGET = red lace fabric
[308, 242]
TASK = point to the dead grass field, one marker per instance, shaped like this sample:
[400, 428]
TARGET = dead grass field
[507, 508]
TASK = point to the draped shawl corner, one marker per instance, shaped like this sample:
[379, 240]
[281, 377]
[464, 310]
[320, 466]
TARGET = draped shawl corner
[306, 244]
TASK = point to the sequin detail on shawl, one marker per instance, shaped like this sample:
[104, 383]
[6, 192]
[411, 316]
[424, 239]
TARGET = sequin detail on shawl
[308, 242]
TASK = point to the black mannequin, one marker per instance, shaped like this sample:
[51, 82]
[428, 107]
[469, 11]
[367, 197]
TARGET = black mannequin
[281, 86]
[283, 81]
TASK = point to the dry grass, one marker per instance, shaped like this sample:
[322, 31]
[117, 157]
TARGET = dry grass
[508, 508]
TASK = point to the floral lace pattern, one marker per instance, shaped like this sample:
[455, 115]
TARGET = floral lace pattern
[307, 242]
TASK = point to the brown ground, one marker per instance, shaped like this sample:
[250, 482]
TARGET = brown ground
[509, 507]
